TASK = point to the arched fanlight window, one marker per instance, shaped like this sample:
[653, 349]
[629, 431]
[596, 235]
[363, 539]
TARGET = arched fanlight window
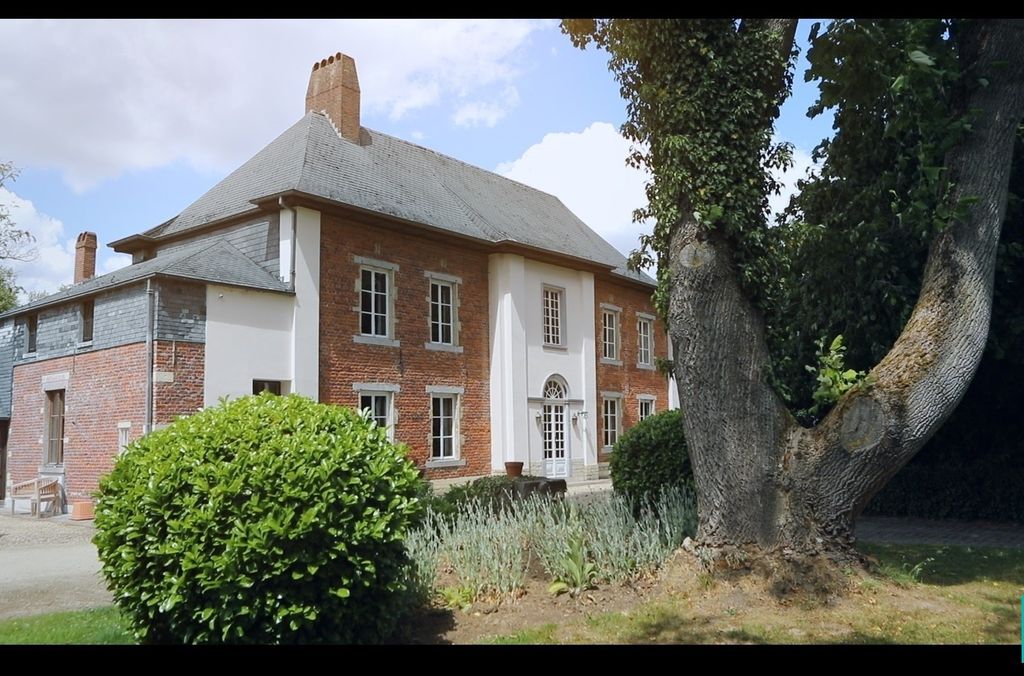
[554, 390]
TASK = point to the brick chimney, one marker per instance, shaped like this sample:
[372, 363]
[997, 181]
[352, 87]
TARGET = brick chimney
[334, 89]
[85, 257]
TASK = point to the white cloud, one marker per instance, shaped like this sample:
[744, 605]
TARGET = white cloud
[97, 98]
[54, 263]
[801, 164]
[587, 171]
[486, 113]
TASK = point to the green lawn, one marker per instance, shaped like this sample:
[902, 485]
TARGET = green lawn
[96, 626]
[919, 594]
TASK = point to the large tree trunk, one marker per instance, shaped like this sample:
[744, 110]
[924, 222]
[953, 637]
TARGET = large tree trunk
[762, 479]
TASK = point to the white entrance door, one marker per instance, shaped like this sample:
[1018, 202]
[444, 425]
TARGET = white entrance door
[556, 456]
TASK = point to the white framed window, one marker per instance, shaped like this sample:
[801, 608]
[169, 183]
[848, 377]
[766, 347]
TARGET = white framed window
[610, 414]
[646, 407]
[554, 311]
[610, 340]
[378, 400]
[444, 427]
[374, 302]
[379, 407]
[124, 430]
[442, 313]
[645, 341]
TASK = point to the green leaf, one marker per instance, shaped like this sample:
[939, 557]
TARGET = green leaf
[920, 58]
[558, 587]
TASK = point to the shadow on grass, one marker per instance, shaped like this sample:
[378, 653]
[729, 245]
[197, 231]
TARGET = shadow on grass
[950, 564]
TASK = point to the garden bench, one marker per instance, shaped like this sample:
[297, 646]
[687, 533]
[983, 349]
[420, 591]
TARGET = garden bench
[37, 490]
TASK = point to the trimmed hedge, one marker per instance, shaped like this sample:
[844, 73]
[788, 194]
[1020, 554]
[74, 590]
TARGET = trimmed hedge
[989, 489]
[494, 491]
[262, 520]
[651, 456]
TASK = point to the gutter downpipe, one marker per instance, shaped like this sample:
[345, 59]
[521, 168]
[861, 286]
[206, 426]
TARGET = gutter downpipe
[148, 425]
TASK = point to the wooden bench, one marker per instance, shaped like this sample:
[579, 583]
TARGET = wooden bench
[38, 491]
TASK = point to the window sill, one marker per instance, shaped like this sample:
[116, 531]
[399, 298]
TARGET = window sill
[29, 355]
[611, 362]
[443, 347]
[50, 470]
[84, 345]
[376, 340]
[607, 449]
[447, 462]
[560, 348]
[645, 367]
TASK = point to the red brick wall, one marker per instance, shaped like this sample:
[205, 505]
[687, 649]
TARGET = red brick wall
[627, 379]
[184, 396]
[104, 388]
[343, 362]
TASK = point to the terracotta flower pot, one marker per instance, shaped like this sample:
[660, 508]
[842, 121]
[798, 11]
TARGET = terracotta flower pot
[514, 469]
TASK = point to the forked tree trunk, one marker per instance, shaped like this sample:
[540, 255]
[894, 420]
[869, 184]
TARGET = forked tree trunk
[762, 479]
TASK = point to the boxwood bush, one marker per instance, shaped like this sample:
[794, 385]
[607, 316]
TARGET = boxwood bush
[650, 456]
[261, 520]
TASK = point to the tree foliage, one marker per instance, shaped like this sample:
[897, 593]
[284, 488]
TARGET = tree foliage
[941, 101]
[701, 122]
[854, 239]
[15, 244]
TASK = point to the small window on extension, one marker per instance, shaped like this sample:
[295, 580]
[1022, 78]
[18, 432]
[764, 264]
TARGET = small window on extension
[272, 386]
[32, 329]
[88, 310]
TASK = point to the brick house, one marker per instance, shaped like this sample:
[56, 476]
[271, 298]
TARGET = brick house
[477, 318]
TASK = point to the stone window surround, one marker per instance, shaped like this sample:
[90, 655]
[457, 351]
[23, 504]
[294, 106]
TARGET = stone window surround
[389, 269]
[456, 283]
[617, 312]
[456, 460]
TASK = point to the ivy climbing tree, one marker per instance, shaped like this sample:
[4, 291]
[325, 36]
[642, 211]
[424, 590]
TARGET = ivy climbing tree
[702, 98]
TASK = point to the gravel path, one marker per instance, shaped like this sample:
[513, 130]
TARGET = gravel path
[48, 565]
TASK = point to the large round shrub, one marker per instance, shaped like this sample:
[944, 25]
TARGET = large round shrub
[262, 520]
[650, 456]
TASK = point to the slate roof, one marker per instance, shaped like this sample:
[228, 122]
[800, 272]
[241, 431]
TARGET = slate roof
[390, 176]
[216, 262]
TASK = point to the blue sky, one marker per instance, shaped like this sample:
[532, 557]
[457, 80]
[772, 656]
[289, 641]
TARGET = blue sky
[119, 125]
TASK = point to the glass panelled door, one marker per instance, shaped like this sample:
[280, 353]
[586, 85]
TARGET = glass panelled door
[556, 461]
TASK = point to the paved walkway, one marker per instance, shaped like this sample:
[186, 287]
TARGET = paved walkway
[48, 564]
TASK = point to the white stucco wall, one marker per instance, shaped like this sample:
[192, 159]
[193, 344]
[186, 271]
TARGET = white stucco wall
[521, 364]
[506, 275]
[248, 337]
[305, 347]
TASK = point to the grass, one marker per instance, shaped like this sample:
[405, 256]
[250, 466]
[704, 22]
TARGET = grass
[101, 626]
[542, 634]
[963, 595]
[915, 594]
